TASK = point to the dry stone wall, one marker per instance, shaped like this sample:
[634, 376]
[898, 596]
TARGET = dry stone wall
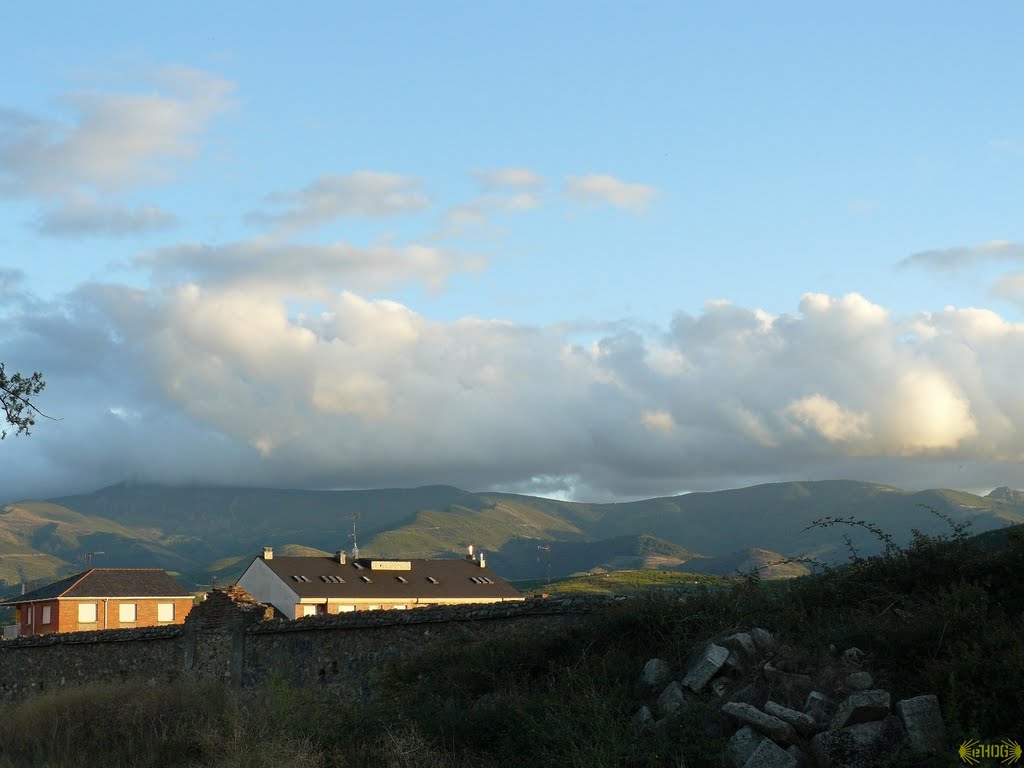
[232, 638]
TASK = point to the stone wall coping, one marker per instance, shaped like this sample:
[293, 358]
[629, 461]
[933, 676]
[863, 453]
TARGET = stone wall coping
[442, 613]
[548, 606]
[93, 636]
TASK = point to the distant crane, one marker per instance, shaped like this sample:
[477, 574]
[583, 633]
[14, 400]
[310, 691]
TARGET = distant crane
[545, 548]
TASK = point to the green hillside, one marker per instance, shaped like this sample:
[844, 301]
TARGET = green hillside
[526, 558]
[627, 582]
[204, 532]
[763, 562]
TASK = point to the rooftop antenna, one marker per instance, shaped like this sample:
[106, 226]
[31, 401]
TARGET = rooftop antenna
[21, 574]
[545, 548]
[21, 570]
[354, 516]
[89, 556]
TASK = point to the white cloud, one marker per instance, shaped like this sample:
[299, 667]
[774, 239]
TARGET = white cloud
[115, 140]
[959, 257]
[608, 190]
[84, 215]
[308, 270]
[504, 191]
[509, 177]
[828, 418]
[361, 194]
[658, 421]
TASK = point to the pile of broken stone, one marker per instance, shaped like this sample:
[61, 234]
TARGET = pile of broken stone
[835, 718]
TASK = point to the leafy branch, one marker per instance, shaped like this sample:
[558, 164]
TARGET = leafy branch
[16, 393]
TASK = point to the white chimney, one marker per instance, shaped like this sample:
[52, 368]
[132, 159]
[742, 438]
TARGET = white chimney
[268, 553]
[469, 549]
[340, 554]
[483, 563]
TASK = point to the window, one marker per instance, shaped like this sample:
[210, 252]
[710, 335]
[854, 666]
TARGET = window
[126, 613]
[165, 611]
[307, 610]
[373, 607]
[87, 613]
[400, 607]
[346, 608]
[46, 614]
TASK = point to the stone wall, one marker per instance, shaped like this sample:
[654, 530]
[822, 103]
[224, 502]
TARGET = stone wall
[232, 638]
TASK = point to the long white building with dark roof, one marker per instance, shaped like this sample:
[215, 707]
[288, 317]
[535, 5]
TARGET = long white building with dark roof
[306, 586]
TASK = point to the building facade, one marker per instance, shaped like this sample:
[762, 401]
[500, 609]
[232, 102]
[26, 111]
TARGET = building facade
[103, 598]
[306, 586]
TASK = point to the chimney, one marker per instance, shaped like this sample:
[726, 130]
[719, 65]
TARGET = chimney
[483, 563]
[469, 549]
[268, 553]
[340, 555]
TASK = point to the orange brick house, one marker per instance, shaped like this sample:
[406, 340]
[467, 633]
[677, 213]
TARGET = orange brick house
[103, 598]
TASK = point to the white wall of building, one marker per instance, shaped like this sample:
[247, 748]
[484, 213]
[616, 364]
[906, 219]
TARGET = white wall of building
[266, 586]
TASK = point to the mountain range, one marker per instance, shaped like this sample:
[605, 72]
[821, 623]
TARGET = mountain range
[204, 532]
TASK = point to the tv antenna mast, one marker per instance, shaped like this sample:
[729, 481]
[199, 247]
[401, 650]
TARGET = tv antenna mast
[545, 548]
[21, 569]
[88, 556]
[354, 517]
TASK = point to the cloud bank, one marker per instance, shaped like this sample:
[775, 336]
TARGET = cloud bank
[213, 381]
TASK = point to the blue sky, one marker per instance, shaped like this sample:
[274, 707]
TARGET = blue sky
[581, 249]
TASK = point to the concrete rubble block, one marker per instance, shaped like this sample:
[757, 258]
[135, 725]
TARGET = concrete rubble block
[670, 700]
[705, 666]
[803, 723]
[720, 687]
[741, 746]
[735, 663]
[643, 720]
[746, 694]
[861, 707]
[798, 756]
[791, 685]
[859, 681]
[922, 721]
[770, 755]
[763, 639]
[854, 656]
[858, 746]
[656, 673]
[818, 706]
[740, 643]
[770, 726]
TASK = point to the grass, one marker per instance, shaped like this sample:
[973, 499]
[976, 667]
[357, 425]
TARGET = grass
[943, 616]
[628, 582]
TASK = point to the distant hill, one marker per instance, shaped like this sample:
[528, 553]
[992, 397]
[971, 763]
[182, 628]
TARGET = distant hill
[205, 531]
[765, 563]
[630, 582]
[524, 558]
